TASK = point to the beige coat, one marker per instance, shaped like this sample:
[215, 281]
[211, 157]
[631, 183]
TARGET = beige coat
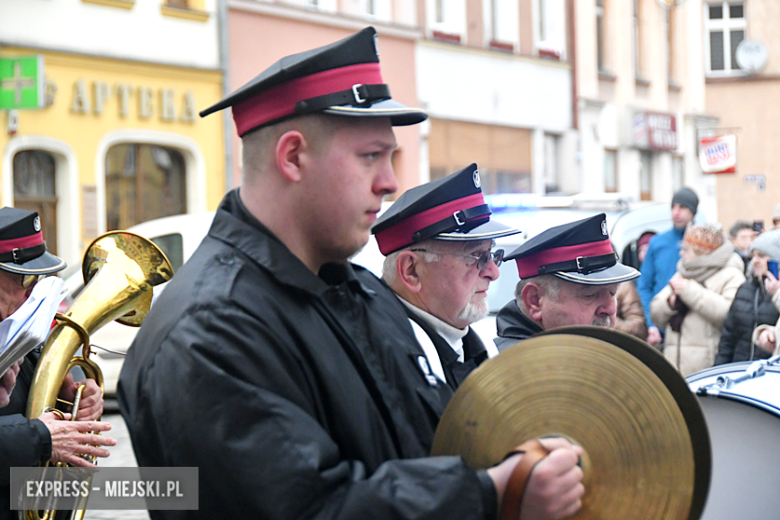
[630, 317]
[709, 304]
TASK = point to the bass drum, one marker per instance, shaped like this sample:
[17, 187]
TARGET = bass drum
[741, 403]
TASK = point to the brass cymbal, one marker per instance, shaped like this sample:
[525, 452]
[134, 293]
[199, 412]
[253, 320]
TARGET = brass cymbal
[647, 452]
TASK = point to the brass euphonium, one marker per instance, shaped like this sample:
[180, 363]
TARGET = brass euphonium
[120, 269]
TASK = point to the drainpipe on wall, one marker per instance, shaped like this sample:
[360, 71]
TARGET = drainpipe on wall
[227, 123]
[573, 60]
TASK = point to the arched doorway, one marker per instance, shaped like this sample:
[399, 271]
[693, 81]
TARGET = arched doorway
[143, 182]
[34, 189]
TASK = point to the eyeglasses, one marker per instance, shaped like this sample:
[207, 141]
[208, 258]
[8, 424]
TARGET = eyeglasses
[480, 259]
[28, 280]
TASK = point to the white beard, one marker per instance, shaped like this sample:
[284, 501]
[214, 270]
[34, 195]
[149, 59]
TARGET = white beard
[602, 322]
[474, 311]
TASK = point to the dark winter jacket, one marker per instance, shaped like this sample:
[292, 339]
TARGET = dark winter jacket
[513, 326]
[23, 442]
[297, 395]
[474, 353]
[752, 306]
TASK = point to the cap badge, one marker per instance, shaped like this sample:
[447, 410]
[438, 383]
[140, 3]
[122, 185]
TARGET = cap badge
[477, 180]
[37, 224]
[376, 44]
[604, 228]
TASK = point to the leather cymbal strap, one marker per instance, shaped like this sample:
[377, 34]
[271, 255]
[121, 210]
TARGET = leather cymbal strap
[646, 449]
[533, 453]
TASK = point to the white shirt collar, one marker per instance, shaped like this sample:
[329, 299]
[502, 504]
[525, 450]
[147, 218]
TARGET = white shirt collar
[452, 335]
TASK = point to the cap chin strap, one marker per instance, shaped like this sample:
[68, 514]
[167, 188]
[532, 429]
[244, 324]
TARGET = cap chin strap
[361, 95]
[458, 220]
[20, 256]
[581, 264]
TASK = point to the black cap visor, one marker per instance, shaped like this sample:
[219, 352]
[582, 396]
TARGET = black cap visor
[47, 263]
[399, 114]
[618, 273]
[488, 231]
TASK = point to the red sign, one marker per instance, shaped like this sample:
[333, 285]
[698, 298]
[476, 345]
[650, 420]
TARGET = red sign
[662, 131]
[655, 130]
[718, 154]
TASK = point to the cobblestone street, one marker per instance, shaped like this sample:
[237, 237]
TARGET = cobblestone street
[121, 456]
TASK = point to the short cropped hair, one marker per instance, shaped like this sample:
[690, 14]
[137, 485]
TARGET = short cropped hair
[389, 265]
[738, 226]
[551, 285]
[258, 147]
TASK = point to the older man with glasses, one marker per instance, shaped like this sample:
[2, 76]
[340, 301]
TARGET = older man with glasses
[437, 239]
[26, 442]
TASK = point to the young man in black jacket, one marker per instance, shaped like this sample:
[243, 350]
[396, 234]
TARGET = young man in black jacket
[291, 378]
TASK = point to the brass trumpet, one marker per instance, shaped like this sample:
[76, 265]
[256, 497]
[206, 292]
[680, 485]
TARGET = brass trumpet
[120, 270]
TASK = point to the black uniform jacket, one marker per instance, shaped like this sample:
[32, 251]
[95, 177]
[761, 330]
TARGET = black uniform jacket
[513, 326]
[752, 306]
[23, 442]
[474, 353]
[297, 396]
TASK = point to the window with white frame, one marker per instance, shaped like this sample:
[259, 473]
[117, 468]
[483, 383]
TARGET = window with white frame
[502, 23]
[600, 43]
[610, 171]
[322, 5]
[550, 26]
[678, 172]
[645, 176]
[143, 182]
[377, 9]
[726, 27]
[637, 35]
[669, 26]
[446, 19]
[551, 163]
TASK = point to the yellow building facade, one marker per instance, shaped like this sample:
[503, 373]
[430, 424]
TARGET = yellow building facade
[117, 143]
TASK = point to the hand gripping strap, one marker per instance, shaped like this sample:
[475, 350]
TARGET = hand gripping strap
[533, 453]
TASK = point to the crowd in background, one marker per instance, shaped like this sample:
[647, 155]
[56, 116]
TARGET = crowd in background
[705, 297]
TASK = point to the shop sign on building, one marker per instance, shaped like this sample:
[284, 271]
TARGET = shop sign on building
[718, 154]
[22, 82]
[164, 101]
[655, 131]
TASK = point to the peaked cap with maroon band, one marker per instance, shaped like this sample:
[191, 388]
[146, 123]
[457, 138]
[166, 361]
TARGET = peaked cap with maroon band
[341, 79]
[451, 208]
[579, 252]
[22, 249]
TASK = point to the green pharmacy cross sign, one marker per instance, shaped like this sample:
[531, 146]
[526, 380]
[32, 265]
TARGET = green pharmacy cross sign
[22, 82]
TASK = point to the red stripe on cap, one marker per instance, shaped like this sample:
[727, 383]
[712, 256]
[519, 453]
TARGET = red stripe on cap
[21, 243]
[400, 235]
[280, 101]
[528, 266]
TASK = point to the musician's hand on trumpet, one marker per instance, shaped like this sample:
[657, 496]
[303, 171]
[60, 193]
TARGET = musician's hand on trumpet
[72, 440]
[91, 404]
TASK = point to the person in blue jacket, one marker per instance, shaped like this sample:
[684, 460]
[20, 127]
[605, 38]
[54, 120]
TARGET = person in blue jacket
[662, 256]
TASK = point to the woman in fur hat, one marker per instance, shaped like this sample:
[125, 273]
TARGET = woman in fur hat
[695, 303]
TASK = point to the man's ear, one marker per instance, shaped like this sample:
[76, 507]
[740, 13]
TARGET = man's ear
[289, 148]
[532, 298]
[407, 271]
